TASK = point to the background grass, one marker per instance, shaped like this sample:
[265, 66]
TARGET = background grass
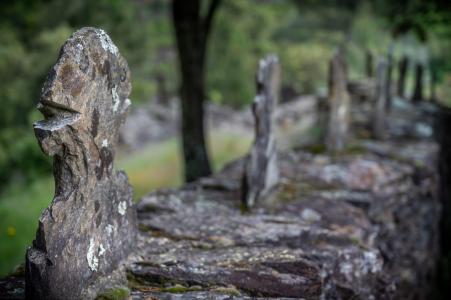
[155, 166]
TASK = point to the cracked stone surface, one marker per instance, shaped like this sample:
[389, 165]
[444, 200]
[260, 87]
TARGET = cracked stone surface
[90, 225]
[359, 226]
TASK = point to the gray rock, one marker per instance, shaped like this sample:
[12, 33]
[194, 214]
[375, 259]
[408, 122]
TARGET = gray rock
[339, 104]
[261, 172]
[90, 226]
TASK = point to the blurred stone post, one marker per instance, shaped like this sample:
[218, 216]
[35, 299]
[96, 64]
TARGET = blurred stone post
[379, 112]
[369, 62]
[433, 83]
[418, 90]
[261, 173]
[388, 84]
[90, 225]
[402, 73]
[339, 104]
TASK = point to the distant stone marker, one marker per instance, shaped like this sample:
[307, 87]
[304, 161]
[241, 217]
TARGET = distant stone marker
[339, 104]
[261, 173]
[369, 63]
[418, 89]
[388, 79]
[402, 71]
[91, 223]
[380, 112]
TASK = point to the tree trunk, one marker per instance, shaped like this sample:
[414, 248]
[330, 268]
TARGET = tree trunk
[402, 67]
[418, 91]
[191, 32]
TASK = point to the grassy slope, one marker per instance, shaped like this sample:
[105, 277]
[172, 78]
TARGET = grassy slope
[153, 167]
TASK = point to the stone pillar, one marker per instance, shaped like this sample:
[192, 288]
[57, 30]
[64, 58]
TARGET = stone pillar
[418, 90]
[433, 96]
[402, 70]
[90, 225]
[369, 63]
[261, 173]
[339, 105]
[379, 112]
[388, 85]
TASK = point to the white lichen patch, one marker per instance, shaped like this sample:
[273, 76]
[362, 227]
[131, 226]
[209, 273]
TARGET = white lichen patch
[105, 143]
[310, 215]
[106, 42]
[122, 207]
[109, 229]
[101, 250]
[78, 53]
[116, 99]
[93, 261]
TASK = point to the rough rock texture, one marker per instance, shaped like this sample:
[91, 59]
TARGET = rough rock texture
[339, 104]
[90, 225]
[261, 174]
[356, 226]
[380, 111]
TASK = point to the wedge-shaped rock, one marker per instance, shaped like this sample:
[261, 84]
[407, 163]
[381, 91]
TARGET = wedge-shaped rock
[90, 226]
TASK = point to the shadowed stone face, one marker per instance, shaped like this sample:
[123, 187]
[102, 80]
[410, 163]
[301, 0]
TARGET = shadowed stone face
[261, 173]
[90, 225]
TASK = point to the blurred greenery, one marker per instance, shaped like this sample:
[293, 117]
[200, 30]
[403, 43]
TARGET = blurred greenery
[304, 33]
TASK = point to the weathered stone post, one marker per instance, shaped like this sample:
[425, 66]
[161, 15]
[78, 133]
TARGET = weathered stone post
[90, 226]
[418, 90]
[388, 78]
[433, 83]
[402, 71]
[339, 104]
[369, 63]
[379, 113]
[261, 173]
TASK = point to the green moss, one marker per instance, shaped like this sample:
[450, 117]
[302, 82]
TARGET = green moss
[354, 149]
[229, 290]
[135, 283]
[176, 289]
[114, 294]
[316, 148]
